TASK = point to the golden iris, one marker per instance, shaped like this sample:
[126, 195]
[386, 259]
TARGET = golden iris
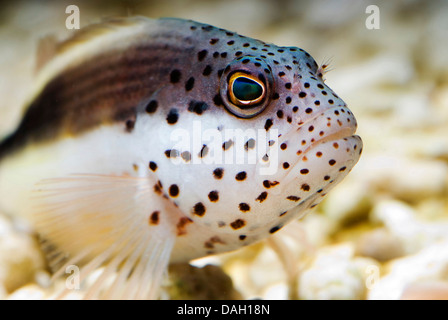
[246, 90]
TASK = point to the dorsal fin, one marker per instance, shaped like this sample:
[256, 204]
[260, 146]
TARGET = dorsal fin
[92, 31]
[49, 47]
[46, 50]
[113, 33]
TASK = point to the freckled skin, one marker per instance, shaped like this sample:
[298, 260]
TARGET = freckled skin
[164, 91]
[298, 104]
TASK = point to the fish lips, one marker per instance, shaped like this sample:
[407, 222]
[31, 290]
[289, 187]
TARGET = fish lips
[327, 151]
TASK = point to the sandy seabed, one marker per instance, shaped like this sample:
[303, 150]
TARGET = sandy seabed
[381, 234]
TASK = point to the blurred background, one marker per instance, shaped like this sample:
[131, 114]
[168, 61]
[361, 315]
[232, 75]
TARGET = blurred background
[382, 233]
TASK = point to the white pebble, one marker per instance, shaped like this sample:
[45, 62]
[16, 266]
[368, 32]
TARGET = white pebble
[401, 221]
[430, 263]
[335, 274]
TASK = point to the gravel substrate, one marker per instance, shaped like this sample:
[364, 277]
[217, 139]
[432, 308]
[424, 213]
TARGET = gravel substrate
[381, 234]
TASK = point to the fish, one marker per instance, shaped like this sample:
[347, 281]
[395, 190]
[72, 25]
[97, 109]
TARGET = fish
[147, 142]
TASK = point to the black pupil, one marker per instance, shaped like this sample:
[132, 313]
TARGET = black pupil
[246, 89]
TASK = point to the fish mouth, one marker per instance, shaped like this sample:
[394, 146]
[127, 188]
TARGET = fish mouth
[329, 136]
[339, 124]
[342, 134]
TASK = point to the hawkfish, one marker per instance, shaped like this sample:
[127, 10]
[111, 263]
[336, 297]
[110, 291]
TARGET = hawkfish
[147, 142]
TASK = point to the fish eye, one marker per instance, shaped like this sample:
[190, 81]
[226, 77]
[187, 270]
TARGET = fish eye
[245, 91]
[246, 86]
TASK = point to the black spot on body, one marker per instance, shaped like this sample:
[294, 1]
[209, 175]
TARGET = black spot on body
[280, 114]
[130, 125]
[189, 85]
[262, 196]
[244, 207]
[154, 218]
[240, 176]
[267, 184]
[250, 144]
[197, 107]
[226, 145]
[151, 107]
[207, 71]
[175, 76]
[153, 166]
[173, 190]
[173, 116]
[268, 124]
[158, 187]
[218, 173]
[238, 224]
[186, 155]
[204, 151]
[213, 196]
[217, 100]
[274, 229]
[199, 209]
[202, 54]
[171, 153]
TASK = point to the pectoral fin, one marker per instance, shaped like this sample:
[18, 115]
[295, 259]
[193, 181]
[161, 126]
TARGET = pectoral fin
[114, 222]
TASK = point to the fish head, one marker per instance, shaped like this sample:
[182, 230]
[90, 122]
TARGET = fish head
[256, 142]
